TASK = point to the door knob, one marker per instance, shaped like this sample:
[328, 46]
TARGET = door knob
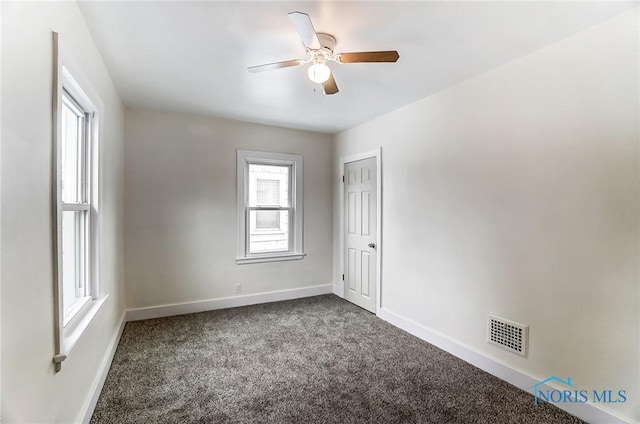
[372, 245]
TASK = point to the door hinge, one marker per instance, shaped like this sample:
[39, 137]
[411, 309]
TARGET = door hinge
[343, 178]
[342, 277]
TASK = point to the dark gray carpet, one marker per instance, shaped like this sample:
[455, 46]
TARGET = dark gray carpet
[313, 360]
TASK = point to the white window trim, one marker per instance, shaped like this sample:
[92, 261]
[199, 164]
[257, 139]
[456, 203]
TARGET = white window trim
[67, 335]
[244, 158]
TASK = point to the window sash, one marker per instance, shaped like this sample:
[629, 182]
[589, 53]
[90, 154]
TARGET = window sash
[290, 181]
[290, 234]
[80, 273]
[83, 147]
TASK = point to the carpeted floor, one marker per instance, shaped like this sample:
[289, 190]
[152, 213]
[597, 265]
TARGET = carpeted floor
[313, 360]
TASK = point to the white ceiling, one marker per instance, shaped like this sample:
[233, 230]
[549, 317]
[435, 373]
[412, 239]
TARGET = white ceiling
[192, 56]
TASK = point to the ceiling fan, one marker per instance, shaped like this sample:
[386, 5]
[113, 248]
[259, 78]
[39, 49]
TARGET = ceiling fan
[320, 47]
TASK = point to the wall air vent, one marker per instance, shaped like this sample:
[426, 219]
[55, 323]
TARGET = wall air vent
[509, 335]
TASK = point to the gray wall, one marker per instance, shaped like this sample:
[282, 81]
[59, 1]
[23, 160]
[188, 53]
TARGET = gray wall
[31, 390]
[180, 208]
[516, 193]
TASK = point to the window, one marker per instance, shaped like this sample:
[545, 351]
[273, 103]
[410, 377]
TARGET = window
[75, 171]
[76, 185]
[269, 207]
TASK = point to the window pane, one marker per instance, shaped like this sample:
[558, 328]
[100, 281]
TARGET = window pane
[269, 185]
[269, 231]
[73, 258]
[72, 153]
[267, 220]
[268, 192]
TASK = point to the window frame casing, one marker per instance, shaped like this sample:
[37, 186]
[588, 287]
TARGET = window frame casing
[295, 162]
[68, 81]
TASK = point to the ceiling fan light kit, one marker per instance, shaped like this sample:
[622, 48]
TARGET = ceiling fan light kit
[319, 73]
[320, 47]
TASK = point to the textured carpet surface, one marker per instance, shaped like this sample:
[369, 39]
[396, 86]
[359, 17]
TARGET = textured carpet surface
[313, 360]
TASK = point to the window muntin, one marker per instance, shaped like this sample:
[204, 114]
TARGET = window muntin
[269, 206]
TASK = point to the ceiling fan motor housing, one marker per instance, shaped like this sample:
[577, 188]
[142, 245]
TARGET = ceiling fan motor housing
[325, 52]
[327, 41]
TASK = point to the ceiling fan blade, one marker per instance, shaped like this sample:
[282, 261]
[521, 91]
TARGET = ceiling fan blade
[360, 57]
[276, 65]
[302, 23]
[330, 86]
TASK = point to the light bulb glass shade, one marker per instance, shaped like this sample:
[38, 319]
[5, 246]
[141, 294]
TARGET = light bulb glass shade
[319, 73]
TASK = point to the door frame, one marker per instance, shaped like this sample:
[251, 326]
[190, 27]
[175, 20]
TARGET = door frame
[377, 154]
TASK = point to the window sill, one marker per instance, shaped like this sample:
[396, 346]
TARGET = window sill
[271, 258]
[74, 330]
[77, 307]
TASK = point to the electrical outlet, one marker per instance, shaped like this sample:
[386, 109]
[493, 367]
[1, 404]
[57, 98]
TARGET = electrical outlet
[238, 288]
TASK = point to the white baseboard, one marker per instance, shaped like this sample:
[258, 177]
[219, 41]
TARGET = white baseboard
[585, 411]
[225, 302]
[104, 370]
[338, 289]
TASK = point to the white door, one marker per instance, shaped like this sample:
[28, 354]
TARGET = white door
[360, 225]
